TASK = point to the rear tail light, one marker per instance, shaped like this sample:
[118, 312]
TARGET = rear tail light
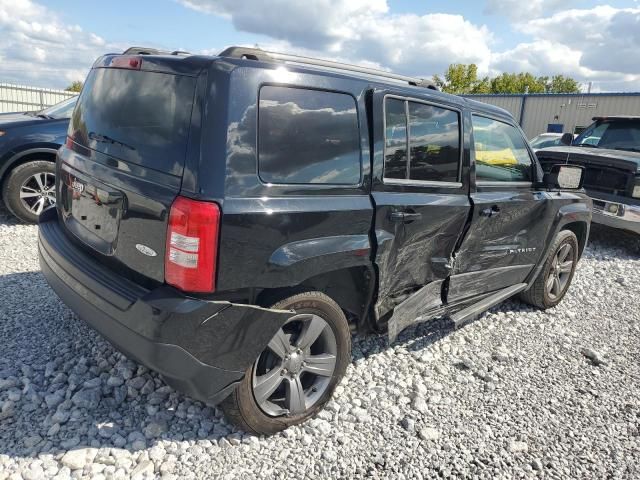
[192, 245]
[126, 61]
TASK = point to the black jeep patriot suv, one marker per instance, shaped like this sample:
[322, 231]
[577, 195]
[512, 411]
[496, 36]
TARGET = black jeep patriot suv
[229, 220]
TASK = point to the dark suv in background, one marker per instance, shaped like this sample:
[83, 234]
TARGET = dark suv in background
[609, 150]
[229, 220]
[28, 145]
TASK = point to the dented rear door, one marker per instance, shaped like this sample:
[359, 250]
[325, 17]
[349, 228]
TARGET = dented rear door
[420, 191]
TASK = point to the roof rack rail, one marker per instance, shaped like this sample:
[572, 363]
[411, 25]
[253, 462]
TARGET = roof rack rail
[266, 56]
[152, 51]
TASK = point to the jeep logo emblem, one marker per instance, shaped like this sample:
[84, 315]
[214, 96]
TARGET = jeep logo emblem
[149, 252]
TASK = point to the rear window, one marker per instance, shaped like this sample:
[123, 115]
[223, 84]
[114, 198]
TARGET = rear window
[137, 116]
[308, 137]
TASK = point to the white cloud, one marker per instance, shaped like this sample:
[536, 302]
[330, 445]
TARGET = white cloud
[37, 48]
[608, 37]
[360, 30]
[524, 9]
[601, 45]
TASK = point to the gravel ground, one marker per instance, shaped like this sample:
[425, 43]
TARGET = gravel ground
[516, 394]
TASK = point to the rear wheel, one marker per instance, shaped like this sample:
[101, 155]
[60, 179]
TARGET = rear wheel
[296, 374]
[554, 279]
[30, 189]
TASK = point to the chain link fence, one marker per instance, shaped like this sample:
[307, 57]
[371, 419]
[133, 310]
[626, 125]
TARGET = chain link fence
[19, 98]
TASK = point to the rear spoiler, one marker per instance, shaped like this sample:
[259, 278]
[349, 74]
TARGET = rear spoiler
[152, 51]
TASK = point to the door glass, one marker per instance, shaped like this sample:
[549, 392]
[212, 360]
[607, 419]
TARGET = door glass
[501, 152]
[395, 147]
[434, 137]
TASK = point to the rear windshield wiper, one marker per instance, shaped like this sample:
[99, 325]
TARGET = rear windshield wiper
[42, 115]
[106, 139]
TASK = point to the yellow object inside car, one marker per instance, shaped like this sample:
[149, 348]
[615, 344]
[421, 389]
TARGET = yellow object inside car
[495, 157]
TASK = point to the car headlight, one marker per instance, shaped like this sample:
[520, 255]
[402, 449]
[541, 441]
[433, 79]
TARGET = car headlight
[2, 133]
[636, 192]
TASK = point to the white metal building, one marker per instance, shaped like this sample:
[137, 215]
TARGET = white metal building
[539, 113]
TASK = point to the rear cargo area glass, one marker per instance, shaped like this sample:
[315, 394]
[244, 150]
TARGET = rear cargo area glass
[137, 116]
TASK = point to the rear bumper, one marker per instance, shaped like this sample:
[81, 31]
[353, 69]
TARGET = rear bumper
[200, 347]
[616, 215]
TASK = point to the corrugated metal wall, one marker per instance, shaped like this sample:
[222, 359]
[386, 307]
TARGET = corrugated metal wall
[19, 98]
[570, 111]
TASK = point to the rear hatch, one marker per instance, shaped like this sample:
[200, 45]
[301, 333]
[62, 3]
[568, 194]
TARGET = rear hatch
[122, 165]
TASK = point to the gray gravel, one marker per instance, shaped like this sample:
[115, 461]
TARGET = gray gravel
[518, 393]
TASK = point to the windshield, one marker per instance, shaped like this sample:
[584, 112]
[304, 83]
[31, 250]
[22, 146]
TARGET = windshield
[137, 116]
[617, 135]
[545, 141]
[63, 109]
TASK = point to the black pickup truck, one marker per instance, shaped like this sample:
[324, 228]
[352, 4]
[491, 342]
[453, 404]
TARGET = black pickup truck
[609, 150]
[230, 220]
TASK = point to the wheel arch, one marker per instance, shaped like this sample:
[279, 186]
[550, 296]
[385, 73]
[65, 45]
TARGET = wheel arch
[47, 153]
[575, 217]
[581, 231]
[351, 288]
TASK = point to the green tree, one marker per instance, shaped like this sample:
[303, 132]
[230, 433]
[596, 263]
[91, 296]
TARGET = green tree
[562, 84]
[516, 83]
[460, 78]
[463, 79]
[75, 86]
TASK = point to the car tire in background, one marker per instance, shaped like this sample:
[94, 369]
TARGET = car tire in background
[554, 279]
[297, 373]
[29, 189]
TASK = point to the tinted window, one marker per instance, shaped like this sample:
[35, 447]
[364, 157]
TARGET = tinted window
[501, 152]
[434, 136]
[63, 109]
[623, 135]
[544, 141]
[308, 136]
[138, 116]
[395, 148]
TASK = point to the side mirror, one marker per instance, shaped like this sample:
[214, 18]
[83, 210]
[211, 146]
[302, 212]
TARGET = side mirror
[565, 177]
[566, 139]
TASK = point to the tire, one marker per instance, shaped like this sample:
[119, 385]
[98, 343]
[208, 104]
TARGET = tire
[539, 295]
[25, 178]
[242, 407]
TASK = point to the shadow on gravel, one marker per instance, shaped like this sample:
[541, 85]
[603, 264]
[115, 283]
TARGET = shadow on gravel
[621, 242]
[6, 218]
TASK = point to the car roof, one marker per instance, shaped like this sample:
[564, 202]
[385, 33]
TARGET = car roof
[418, 92]
[187, 64]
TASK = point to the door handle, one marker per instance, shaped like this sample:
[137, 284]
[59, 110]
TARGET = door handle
[490, 212]
[405, 217]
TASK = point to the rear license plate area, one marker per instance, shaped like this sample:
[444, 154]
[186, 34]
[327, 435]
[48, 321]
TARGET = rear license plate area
[91, 211]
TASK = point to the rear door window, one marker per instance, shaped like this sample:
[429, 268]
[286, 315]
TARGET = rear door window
[395, 146]
[137, 116]
[434, 138]
[430, 133]
[308, 136]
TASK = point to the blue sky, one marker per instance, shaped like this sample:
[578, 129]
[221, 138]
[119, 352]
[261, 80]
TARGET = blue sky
[50, 42]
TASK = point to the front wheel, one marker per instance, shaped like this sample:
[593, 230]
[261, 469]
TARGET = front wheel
[30, 189]
[296, 374]
[554, 279]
